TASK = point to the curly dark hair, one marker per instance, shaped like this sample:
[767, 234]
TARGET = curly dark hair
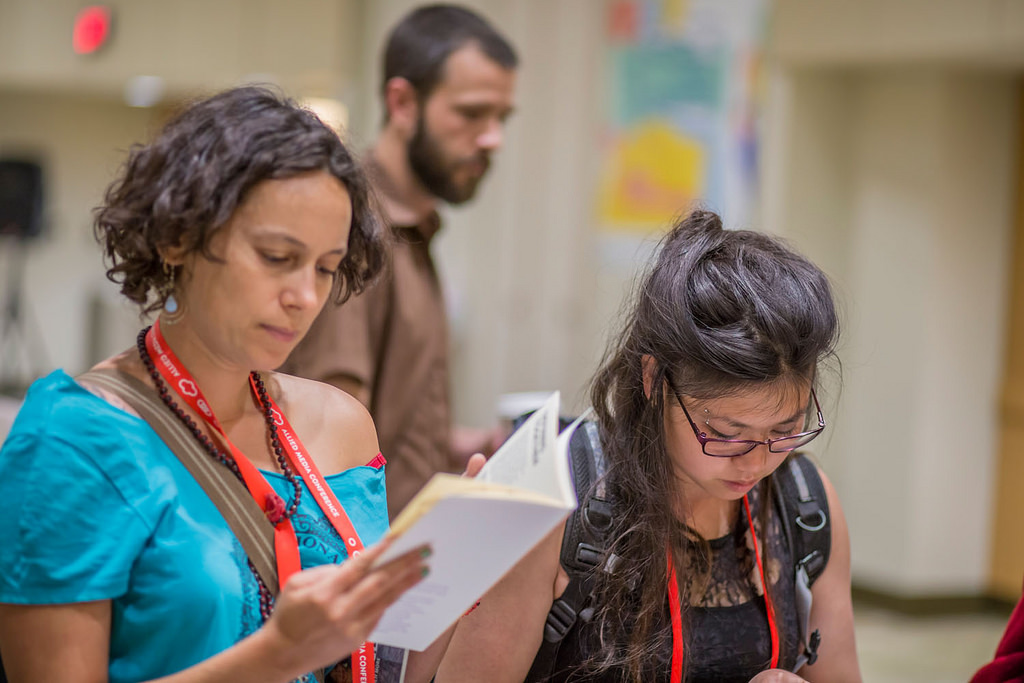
[181, 188]
[719, 311]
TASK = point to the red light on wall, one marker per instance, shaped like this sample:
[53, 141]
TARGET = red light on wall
[92, 28]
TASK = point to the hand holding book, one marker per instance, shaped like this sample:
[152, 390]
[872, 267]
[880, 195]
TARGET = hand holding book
[479, 527]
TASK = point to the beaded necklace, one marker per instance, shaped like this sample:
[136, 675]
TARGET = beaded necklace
[170, 375]
[210, 446]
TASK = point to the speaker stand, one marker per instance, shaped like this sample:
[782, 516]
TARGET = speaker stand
[22, 352]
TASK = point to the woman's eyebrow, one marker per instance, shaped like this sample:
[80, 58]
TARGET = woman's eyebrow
[742, 425]
[291, 239]
[274, 234]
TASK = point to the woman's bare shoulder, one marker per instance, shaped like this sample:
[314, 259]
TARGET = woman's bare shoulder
[335, 427]
[127, 362]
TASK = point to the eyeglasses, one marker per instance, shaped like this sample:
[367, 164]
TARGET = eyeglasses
[732, 448]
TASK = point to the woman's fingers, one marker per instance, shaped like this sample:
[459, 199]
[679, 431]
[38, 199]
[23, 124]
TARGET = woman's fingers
[341, 577]
[364, 559]
[379, 600]
[777, 676]
[361, 565]
[475, 463]
[390, 579]
[330, 609]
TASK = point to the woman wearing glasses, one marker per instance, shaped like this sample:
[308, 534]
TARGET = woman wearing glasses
[701, 404]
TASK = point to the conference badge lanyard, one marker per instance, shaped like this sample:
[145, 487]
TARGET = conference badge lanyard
[676, 612]
[286, 544]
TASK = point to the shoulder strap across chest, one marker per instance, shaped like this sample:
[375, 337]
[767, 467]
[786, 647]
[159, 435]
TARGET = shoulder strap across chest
[801, 496]
[240, 511]
[243, 516]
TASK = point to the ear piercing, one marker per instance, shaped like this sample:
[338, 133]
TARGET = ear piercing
[172, 308]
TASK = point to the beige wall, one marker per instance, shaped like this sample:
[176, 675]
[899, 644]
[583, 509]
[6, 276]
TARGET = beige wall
[306, 46]
[898, 182]
[890, 133]
[68, 109]
[81, 141]
[884, 32]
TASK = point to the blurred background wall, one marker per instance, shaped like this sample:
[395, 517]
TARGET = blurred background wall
[887, 147]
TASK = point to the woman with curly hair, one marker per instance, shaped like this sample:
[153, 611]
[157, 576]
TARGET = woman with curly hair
[700, 402]
[238, 223]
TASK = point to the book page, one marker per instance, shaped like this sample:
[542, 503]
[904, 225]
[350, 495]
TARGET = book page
[532, 458]
[475, 542]
[478, 528]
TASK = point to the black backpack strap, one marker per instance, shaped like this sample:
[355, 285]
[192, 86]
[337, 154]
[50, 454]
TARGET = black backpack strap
[808, 528]
[583, 547]
[583, 541]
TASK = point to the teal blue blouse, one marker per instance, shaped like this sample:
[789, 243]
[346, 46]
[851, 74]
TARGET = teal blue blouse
[98, 508]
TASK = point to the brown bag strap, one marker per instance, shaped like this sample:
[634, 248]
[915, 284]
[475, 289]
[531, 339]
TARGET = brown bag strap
[240, 511]
[244, 517]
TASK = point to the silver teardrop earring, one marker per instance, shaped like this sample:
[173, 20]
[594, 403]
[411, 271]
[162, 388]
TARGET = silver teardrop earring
[173, 310]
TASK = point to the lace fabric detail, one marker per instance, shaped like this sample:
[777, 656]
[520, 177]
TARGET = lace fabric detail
[723, 572]
[726, 630]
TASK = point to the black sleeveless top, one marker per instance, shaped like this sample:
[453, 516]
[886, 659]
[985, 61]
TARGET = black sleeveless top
[726, 624]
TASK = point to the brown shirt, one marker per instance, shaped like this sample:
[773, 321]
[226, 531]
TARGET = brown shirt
[393, 339]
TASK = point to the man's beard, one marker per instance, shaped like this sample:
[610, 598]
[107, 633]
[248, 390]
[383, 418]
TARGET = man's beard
[435, 172]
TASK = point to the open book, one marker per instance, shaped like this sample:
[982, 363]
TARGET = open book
[479, 528]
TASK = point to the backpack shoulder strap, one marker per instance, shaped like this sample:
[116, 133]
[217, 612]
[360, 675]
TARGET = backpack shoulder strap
[583, 541]
[583, 546]
[808, 517]
[808, 529]
[232, 499]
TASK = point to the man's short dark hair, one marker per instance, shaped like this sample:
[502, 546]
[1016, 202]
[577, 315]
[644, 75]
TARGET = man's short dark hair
[420, 44]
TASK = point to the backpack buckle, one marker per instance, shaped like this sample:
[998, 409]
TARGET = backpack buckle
[598, 513]
[560, 619]
[588, 555]
[817, 525]
[813, 563]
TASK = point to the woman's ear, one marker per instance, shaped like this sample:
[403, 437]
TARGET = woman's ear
[649, 367]
[172, 255]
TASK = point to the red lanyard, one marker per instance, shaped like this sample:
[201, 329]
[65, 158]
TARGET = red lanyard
[676, 612]
[305, 466]
[286, 543]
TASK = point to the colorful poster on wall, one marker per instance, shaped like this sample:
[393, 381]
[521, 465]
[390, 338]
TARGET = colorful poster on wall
[680, 125]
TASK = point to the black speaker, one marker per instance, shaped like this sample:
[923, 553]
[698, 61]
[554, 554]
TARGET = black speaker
[21, 198]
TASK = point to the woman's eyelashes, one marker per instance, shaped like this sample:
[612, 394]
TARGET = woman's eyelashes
[275, 259]
[779, 432]
[789, 428]
[330, 266]
[712, 432]
[328, 269]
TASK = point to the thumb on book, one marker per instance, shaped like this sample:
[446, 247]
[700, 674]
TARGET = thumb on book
[474, 465]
